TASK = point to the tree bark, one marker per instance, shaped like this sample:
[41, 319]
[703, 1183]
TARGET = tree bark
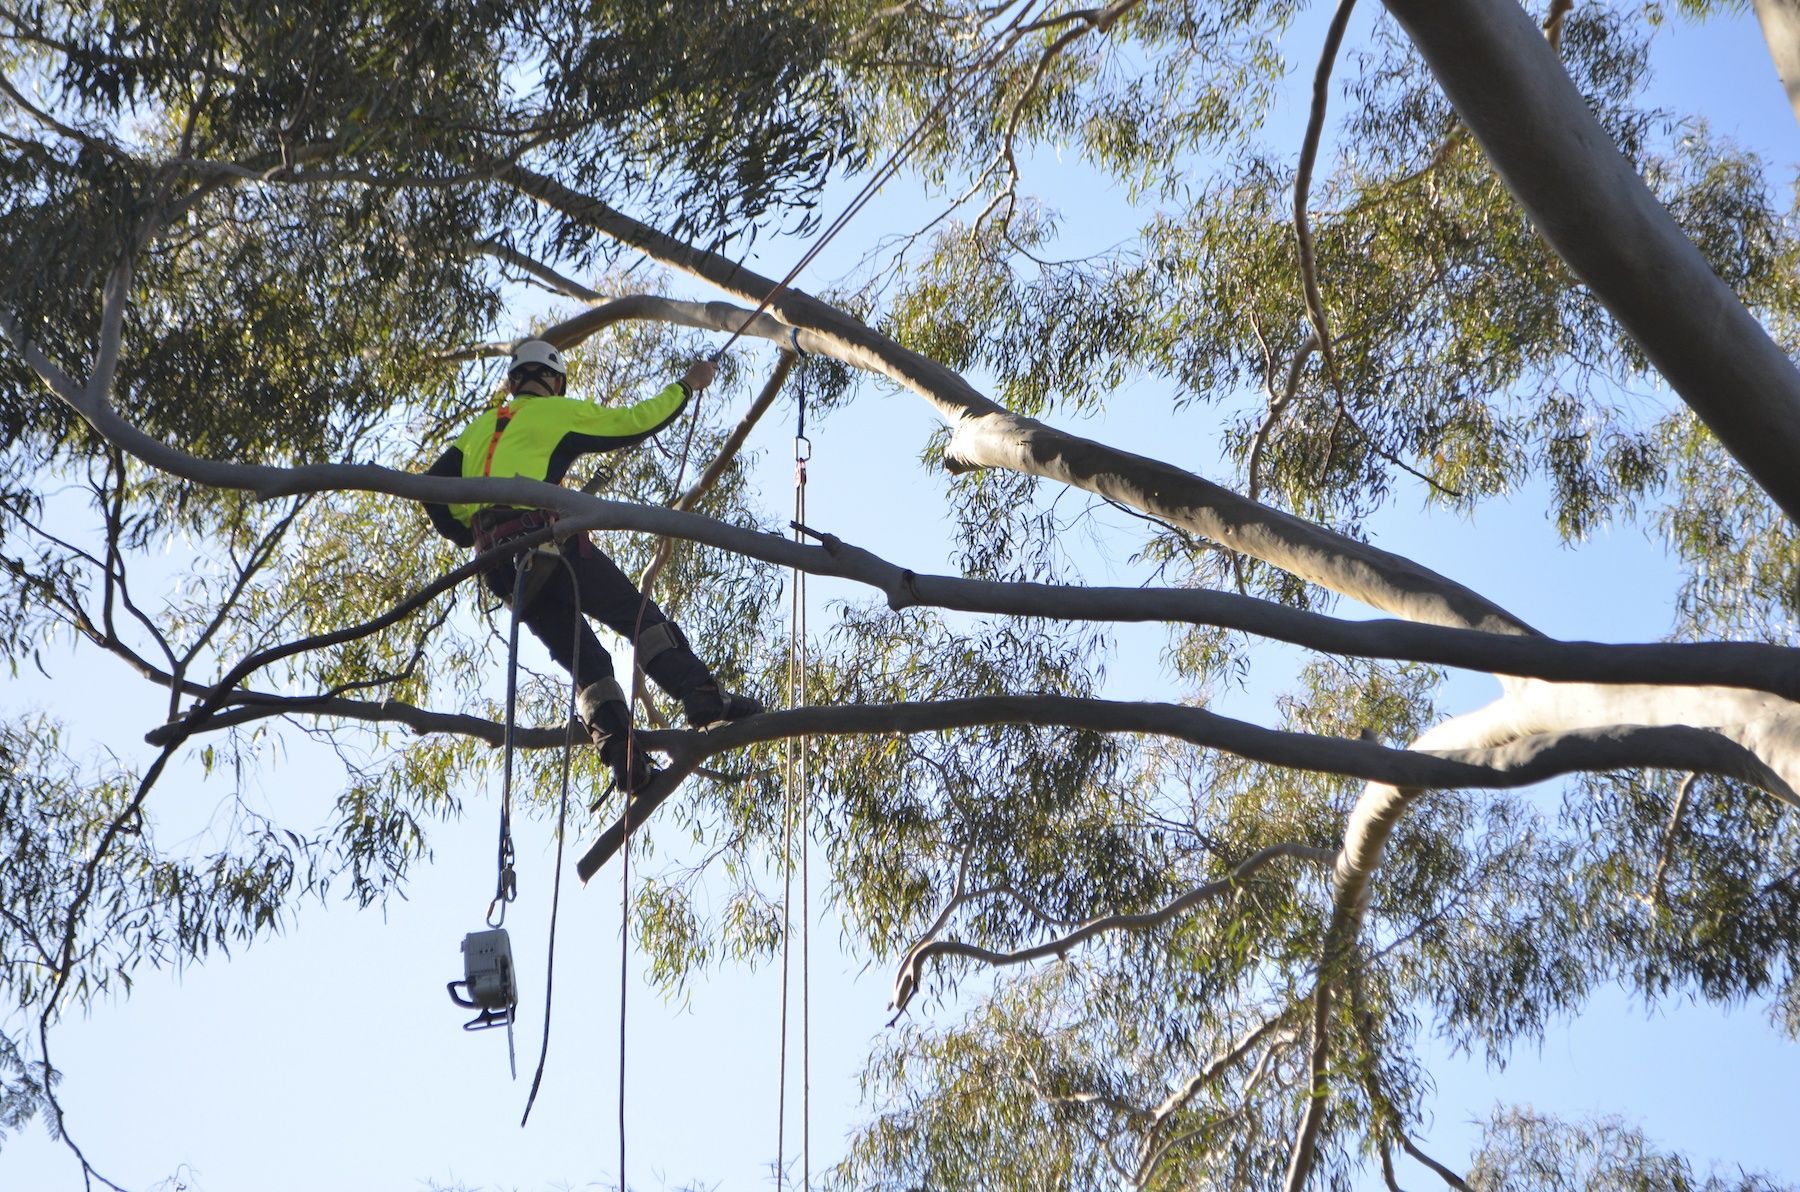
[1510, 88]
[1780, 20]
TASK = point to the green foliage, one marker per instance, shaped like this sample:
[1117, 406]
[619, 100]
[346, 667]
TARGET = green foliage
[1522, 1149]
[309, 196]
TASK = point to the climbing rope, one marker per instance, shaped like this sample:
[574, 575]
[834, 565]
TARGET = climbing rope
[562, 818]
[637, 628]
[506, 881]
[984, 58]
[793, 807]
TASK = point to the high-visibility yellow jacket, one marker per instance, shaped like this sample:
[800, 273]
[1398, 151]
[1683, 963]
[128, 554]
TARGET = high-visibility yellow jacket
[539, 437]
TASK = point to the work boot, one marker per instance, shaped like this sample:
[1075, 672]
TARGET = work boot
[707, 704]
[608, 720]
[664, 653]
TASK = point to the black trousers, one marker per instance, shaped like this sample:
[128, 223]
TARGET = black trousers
[555, 615]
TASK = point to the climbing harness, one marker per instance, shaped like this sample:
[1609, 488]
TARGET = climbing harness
[500, 525]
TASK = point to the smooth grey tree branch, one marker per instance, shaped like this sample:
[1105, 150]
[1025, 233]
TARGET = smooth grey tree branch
[1780, 21]
[1511, 760]
[1309, 155]
[1511, 90]
[985, 434]
[1765, 667]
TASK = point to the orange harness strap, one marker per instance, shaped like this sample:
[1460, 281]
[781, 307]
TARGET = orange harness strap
[502, 416]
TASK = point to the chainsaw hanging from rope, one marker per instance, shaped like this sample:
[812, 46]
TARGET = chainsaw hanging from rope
[490, 982]
[490, 977]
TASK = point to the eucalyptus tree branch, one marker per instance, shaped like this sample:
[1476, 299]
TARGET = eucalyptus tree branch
[400, 611]
[1742, 664]
[1387, 1120]
[1372, 820]
[1583, 196]
[985, 434]
[67, 956]
[259, 557]
[67, 131]
[911, 974]
[1278, 405]
[1516, 720]
[1093, 20]
[1309, 154]
[1553, 22]
[1499, 752]
[559, 282]
[1668, 845]
[1211, 1071]
[1780, 23]
[89, 1173]
[102, 633]
[1757, 725]
[1739, 663]
[1035, 1079]
[248, 707]
[1387, 1167]
[1264, 1065]
[1444, 1173]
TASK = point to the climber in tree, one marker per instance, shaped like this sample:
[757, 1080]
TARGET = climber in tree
[536, 432]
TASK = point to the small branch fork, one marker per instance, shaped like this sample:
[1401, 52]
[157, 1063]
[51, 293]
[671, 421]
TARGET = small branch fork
[1154, 1149]
[911, 974]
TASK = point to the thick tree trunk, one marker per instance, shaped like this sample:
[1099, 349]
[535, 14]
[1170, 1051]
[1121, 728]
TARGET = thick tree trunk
[1590, 205]
[1780, 21]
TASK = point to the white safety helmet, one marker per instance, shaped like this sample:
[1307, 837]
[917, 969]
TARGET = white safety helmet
[538, 351]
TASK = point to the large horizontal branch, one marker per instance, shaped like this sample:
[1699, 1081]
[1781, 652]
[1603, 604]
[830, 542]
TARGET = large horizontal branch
[986, 434]
[584, 511]
[1734, 664]
[251, 706]
[1587, 201]
[1519, 762]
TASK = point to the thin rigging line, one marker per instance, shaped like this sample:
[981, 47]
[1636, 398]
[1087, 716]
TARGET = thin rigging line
[983, 59]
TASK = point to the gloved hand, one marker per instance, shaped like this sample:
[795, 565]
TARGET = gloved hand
[699, 375]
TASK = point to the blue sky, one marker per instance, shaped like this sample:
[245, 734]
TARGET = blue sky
[330, 1057]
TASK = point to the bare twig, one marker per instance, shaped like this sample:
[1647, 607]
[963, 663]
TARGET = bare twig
[1309, 152]
[67, 131]
[1444, 1173]
[1670, 834]
[559, 282]
[1278, 404]
[910, 975]
[1553, 22]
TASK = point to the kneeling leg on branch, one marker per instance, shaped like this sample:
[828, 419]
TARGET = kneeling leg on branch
[555, 615]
